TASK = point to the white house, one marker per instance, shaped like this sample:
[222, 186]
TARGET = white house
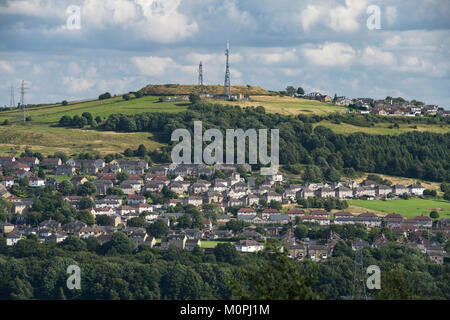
[36, 182]
[8, 181]
[416, 189]
[13, 237]
[248, 246]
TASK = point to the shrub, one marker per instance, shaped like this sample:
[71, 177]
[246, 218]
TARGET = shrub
[434, 214]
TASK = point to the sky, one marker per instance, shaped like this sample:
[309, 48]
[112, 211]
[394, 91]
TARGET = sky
[78, 49]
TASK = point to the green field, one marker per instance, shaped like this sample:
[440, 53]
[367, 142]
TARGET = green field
[102, 108]
[383, 128]
[42, 134]
[407, 208]
[288, 105]
[211, 243]
[46, 139]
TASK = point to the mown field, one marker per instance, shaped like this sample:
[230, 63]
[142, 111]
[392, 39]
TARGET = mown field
[408, 208]
[102, 108]
[211, 243]
[288, 105]
[383, 128]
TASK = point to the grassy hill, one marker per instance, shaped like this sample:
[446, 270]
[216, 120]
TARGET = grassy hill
[183, 89]
[287, 105]
[103, 108]
[42, 134]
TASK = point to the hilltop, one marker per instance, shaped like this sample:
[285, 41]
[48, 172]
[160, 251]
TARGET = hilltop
[184, 89]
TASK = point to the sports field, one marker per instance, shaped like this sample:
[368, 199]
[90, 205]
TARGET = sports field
[407, 208]
[211, 243]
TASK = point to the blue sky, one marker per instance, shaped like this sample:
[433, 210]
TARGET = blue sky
[321, 45]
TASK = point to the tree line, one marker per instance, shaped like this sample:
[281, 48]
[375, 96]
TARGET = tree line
[420, 155]
[118, 270]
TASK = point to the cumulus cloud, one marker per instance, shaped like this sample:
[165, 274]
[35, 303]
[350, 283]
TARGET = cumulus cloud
[317, 44]
[235, 14]
[330, 54]
[76, 85]
[391, 15]
[340, 18]
[311, 15]
[345, 18]
[156, 20]
[375, 56]
[153, 66]
[270, 56]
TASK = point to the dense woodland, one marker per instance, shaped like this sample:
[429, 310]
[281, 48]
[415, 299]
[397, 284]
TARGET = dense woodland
[420, 155]
[116, 270]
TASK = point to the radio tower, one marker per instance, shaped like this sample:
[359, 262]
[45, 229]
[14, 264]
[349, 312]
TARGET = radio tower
[12, 102]
[200, 77]
[23, 89]
[227, 85]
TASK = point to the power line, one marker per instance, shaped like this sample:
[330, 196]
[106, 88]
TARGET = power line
[12, 102]
[23, 90]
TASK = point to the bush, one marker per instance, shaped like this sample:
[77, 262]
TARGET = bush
[434, 214]
[104, 96]
[429, 192]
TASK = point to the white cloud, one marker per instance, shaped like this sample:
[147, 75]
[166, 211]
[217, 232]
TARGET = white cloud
[34, 8]
[155, 20]
[273, 56]
[153, 66]
[336, 17]
[76, 85]
[344, 18]
[236, 15]
[391, 15]
[375, 56]
[311, 16]
[213, 58]
[330, 54]
[5, 67]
